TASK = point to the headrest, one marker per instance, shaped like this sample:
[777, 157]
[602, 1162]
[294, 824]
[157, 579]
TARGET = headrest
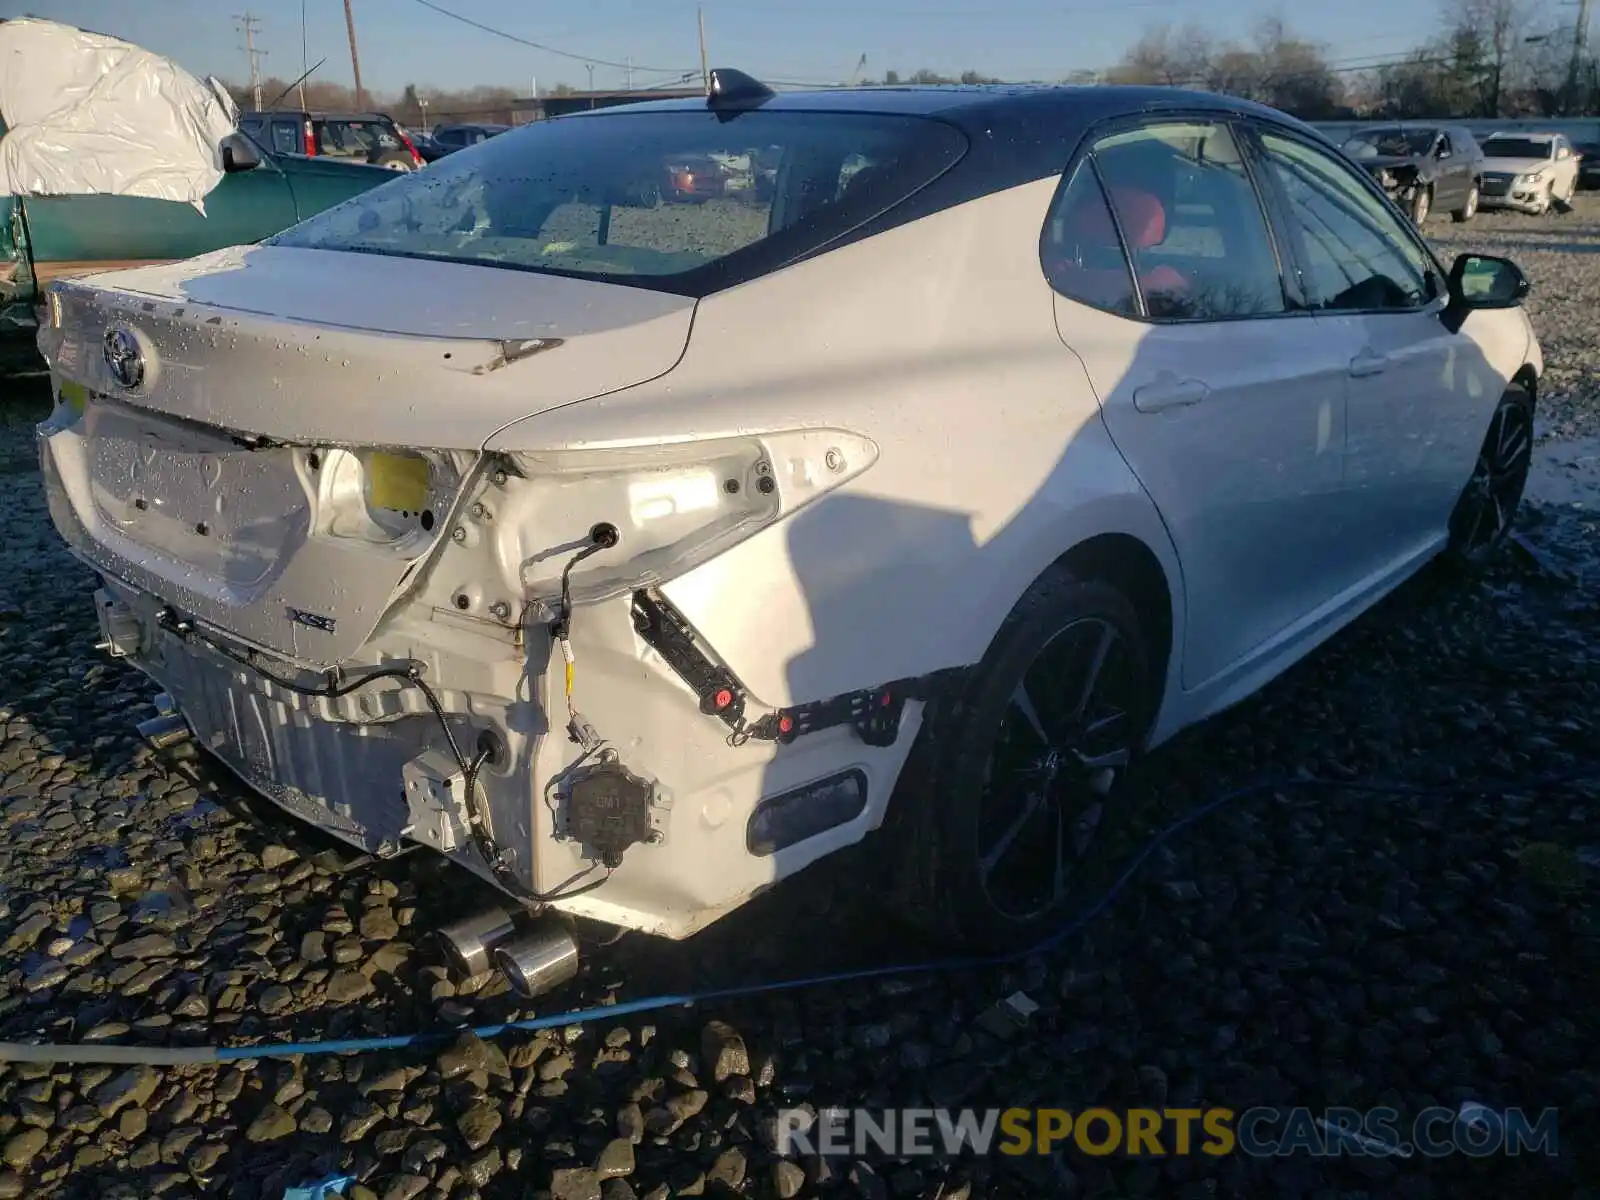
[1144, 221]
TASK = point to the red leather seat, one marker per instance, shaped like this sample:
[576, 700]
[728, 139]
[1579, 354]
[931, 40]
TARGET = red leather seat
[1144, 222]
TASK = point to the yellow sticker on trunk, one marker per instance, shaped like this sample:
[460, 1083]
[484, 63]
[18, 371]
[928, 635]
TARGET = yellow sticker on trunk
[397, 482]
[74, 394]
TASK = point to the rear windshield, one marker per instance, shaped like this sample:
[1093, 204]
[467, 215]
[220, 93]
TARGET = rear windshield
[684, 201]
[337, 137]
[1508, 147]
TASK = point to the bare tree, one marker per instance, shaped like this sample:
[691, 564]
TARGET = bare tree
[1485, 36]
[1278, 69]
[1168, 57]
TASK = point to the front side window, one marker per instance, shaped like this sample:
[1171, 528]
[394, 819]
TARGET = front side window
[1192, 222]
[656, 198]
[1355, 253]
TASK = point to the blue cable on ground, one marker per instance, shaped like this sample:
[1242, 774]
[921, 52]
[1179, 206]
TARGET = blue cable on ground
[191, 1055]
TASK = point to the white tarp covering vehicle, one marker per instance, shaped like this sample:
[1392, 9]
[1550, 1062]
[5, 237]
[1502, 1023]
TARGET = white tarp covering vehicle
[86, 113]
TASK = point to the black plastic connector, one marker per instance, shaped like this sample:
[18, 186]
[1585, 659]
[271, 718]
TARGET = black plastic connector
[719, 692]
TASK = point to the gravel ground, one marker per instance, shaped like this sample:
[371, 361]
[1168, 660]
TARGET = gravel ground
[1309, 948]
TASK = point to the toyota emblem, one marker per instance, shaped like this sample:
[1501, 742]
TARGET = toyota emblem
[124, 358]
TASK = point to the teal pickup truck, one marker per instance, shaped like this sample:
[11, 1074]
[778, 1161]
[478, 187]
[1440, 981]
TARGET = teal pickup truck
[52, 237]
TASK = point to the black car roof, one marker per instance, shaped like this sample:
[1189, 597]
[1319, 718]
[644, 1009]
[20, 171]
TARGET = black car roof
[982, 108]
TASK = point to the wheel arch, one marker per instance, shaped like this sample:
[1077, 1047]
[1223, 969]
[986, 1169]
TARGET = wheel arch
[1129, 565]
[1527, 378]
[1136, 557]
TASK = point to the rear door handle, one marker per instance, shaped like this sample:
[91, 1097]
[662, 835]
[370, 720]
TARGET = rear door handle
[1157, 397]
[1368, 363]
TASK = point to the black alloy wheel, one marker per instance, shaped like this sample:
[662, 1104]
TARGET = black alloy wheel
[1488, 506]
[1010, 806]
[1059, 747]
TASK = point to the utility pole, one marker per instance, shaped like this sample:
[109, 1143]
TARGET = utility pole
[705, 71]
[249, 22]
[304, 70]
[355, 60]
[630, 72]
[1580, 43]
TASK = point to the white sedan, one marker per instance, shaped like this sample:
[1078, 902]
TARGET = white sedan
[632, 554]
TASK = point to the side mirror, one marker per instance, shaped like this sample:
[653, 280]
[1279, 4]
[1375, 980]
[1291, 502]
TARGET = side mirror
[1442, 153]
[1481, 281]
[239, 153]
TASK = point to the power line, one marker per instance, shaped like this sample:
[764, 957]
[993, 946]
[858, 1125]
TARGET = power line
[532, 45]
[248, 24]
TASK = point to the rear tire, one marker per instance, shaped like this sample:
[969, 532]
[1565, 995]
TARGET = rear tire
[1468, 209]
[1488, 506]
[1010, 795]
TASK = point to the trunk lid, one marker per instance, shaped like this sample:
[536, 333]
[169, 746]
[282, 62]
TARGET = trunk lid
[244, 480]
[323, 346]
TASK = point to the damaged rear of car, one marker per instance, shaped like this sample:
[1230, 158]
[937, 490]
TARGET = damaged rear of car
[316, 482]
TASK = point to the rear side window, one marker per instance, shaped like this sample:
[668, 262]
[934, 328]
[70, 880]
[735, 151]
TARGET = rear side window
[1082, 254]
[355, 139]
[1191, 221]
[682, 200]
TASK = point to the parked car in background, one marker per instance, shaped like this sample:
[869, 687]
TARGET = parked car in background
[371, 138]
[446, 139]
[123, 200]
[57, 237]
[1588, 164]
[627, 555]
[1528, 171]
[693, 179]
[1424, 168]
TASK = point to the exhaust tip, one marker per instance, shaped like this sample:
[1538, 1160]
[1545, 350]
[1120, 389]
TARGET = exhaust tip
[470, 941]
[540, 960]
[166, 731]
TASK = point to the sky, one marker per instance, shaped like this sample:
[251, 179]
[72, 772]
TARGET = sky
[404, 41]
